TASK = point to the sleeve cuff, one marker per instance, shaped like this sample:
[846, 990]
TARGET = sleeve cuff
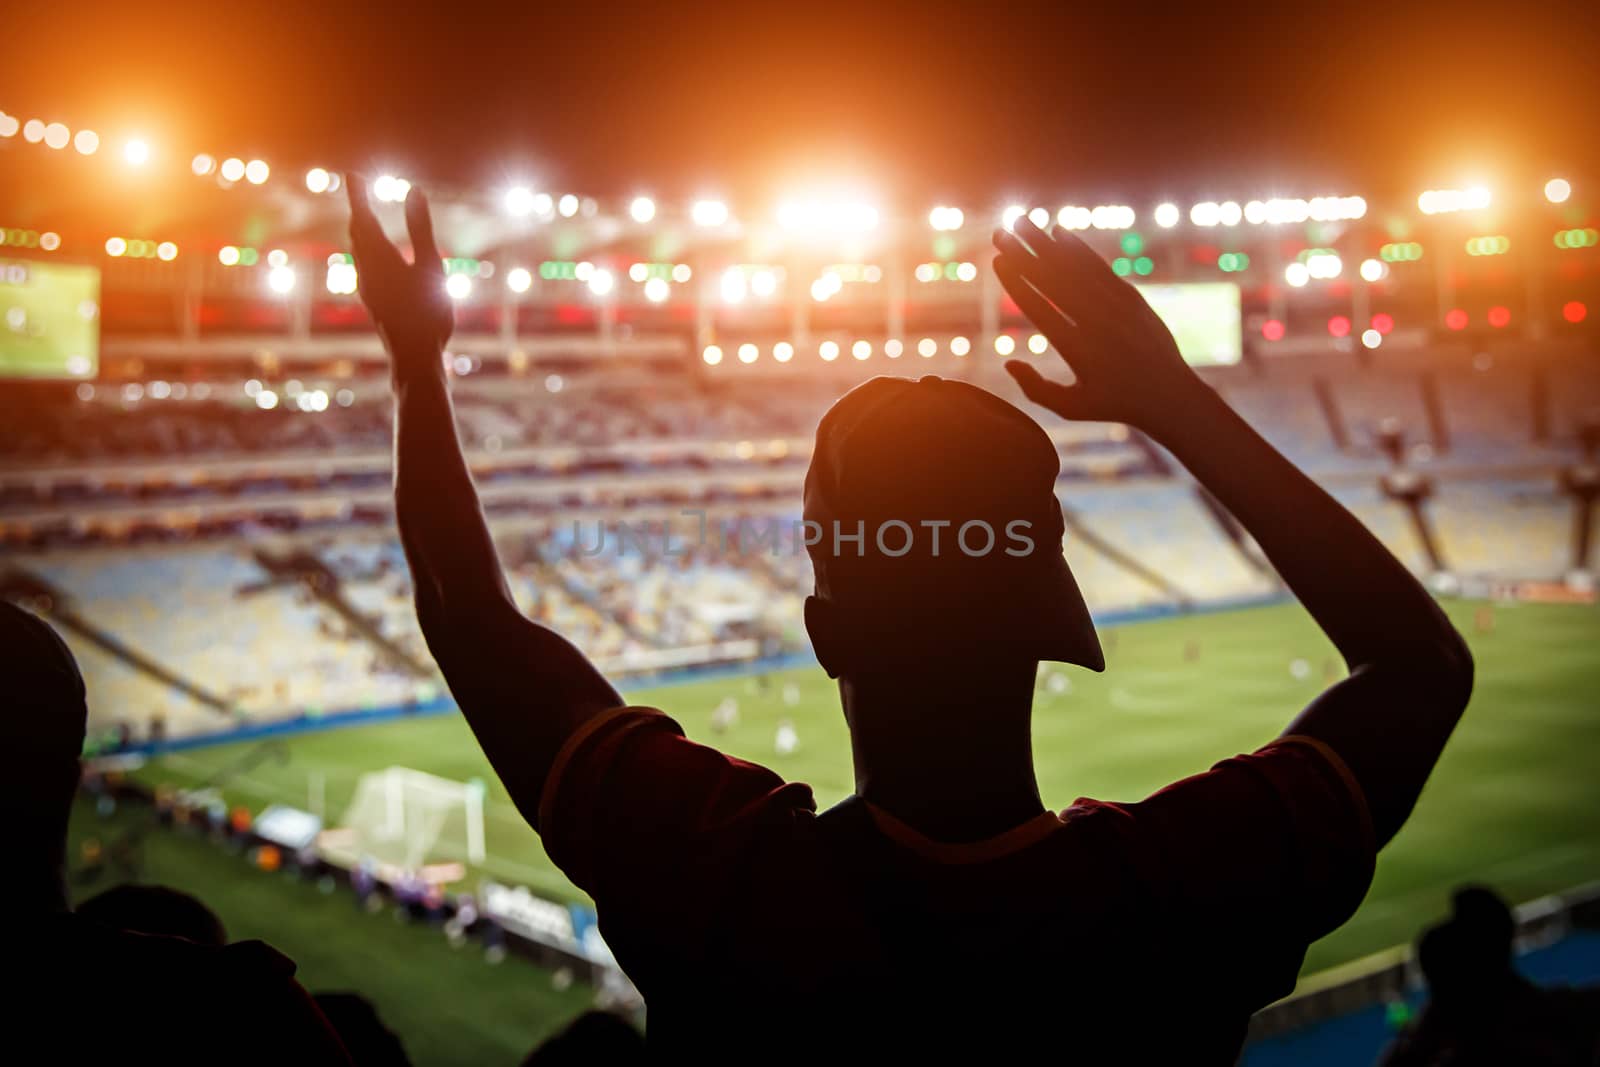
[629, 717]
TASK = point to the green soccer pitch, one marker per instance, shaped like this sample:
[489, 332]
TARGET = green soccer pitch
[1515, 802]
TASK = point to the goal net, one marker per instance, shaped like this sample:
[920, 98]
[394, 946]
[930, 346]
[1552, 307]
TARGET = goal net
[408, 818]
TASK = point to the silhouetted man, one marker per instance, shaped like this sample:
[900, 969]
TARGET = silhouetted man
[86, 992]
[942, 905]
[1481, 1012]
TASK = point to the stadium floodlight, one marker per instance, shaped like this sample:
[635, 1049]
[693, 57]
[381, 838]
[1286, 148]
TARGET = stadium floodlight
[256, 172]
[202, 165]
[280, 280]
[1296, 274]
[1040, 217]
[946, 218]
[861, 349]
[277, 258]
[1371, 338]
[317, 180]
[136, 152]
[232, 169]
[56, 135]
[341, 276]
[1005, 344]
[828, 350]
[568, 206]
[519, 279]
[116, 246]
[822, 216]
[87, 142]
[1009, 217]
[763, 283]
[167, 251]
[228, 255]
[1038, 343]
[638, 272]
[1112, 217]
[390, 189]
[681, 273]
[1074, 218]
[1445, 201]
[733, 286]
[1229, 213]
[893, 348]
[1373, 270]
[960, 346]
[656, 290]
[458, 286]
[748, 353]
[783, 351]
[712, 355]
[1557, 190]
[33, 131]
[709, 213]
[966, 271]
[519, 201]
[1166, 215]
[643, 209]
[927, 348]
[601, 282]
[266, 399]
[9, 125]
[1324, 266]
[1206, 213]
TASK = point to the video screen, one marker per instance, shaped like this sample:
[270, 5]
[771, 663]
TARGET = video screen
[1203, 317]
[51, 320]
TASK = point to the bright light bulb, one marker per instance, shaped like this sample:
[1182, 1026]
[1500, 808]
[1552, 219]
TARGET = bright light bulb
[960, 346]
[136, 152]
[709, 213]
[458, 286]
[519, 280]
[519, 201]
[256, 172]
[87, 142]
[280, 279]
[1166, 215]
[1557, 190]
[656, 290]
[1005, 344]
[601, 282]
[317, 180]
[712, 355]
[643, 209]
[748, 353]
[734, 286]
[1038, 343]
[783, 351]
[233, 170]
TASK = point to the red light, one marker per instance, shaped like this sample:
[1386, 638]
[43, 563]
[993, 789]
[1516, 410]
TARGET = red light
[1383, 322]
[1456, 319]
[1272, 330]
[1339, 326]
[1574, 311]
[1499, 316]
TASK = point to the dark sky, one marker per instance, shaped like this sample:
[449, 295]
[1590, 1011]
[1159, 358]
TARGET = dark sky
[976, 102]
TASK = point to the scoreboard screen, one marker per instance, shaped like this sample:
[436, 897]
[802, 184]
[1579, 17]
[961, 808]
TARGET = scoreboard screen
[49, 320]
[1203, 317]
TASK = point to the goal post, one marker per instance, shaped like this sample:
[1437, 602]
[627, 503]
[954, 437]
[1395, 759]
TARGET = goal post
[408, 818]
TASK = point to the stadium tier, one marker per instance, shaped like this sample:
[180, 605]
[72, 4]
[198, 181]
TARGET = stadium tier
[263, 539]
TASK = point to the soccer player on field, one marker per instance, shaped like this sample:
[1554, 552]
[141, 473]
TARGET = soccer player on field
[943, 907]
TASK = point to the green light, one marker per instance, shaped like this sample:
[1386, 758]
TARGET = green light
[558, 269]
[1132, 243]
[1577, 238]
[1121, 266]
[1307, 253]
[1143, 266]
[1489, 245]
[248, 257]
[944, 246]
[951, 271]
[1233, 262]
[1400, 252]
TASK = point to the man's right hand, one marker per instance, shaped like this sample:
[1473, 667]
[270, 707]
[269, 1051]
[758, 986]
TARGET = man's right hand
[1125, 361]
[406, 300]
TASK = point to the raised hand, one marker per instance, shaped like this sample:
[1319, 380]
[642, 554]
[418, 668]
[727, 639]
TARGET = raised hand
[1125, 361]
[407, 300]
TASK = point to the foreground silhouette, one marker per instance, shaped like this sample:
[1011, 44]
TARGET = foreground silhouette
[90, 991]
[942, 905]
[1481, 1012]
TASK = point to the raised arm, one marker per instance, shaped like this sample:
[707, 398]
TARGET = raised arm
[1410, 673]
[523, 688]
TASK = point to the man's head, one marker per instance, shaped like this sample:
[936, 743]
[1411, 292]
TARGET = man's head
[935, 532]
[46, 717]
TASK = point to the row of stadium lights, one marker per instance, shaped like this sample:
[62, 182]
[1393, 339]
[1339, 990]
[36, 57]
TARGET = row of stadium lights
[1457, 319]
[812, 215]
[1005, 344]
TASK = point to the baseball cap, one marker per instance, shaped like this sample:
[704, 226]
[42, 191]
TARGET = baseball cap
[932, 501]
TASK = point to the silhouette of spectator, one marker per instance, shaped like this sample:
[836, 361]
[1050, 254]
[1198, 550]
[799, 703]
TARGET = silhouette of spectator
[593, 1037]
[365, 1036]
[149, 998]
[1480, 1010]
[942, 906]
[155, 909]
